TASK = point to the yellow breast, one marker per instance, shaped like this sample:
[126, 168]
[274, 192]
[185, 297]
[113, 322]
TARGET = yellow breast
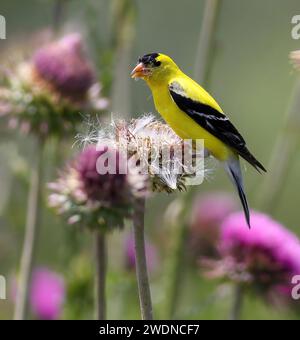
[184, 126]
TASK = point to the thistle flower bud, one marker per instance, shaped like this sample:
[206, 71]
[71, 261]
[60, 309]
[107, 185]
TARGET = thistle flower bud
[98, 188]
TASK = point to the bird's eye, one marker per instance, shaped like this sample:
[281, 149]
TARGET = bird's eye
[156, 63]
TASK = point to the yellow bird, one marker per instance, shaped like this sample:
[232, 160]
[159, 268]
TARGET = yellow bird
[194, 114]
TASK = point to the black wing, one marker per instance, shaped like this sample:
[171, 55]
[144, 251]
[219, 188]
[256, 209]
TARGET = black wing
[214, 122]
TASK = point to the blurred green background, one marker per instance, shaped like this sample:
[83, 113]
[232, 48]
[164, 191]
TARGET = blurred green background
[252, 79]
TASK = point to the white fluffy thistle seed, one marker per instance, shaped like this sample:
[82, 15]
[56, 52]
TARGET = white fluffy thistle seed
[156, 149]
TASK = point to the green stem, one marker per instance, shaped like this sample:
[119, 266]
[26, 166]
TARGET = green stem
[100, 275]
[31, 234]
[176, 268]
[141, 263]
[206, 39]
[238, 297]
[58, 14]
[283, 155]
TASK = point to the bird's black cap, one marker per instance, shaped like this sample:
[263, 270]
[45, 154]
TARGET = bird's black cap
[150, 59]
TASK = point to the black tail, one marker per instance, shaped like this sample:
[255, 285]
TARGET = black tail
[246, 154]
[235, 174]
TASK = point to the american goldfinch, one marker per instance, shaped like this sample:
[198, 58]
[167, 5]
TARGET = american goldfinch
[194, 114]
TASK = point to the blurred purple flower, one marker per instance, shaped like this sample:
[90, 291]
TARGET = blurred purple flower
[46, 94]
[265, 257]
[47, 294]
[151, 254]
[64, 65]
[208, 212]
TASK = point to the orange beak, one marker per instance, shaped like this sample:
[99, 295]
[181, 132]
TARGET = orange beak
[138, 71]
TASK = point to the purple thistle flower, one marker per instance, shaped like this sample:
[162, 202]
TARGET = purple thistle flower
[64, 66]
[151, 254]
[110, 188]
[98, 188]
[267, 256]
[208, 212]
[46, 94]
[47, 294]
